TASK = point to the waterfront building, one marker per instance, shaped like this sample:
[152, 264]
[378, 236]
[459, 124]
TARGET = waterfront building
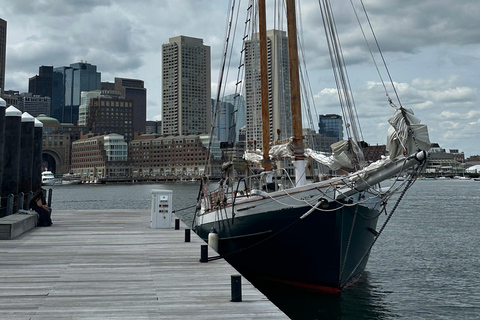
[186, 86]
[55, 146]
[3, 53]
[180, 156]
[67, 86]
[278, 88]
[374, 153]
[100, 157]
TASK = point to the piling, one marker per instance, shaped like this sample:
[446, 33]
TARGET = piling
[37, 156]
[27, 128]
[13, 118]
[187, 235]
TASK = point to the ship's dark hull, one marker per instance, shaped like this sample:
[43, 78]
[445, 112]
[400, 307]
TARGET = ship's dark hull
[323, 250]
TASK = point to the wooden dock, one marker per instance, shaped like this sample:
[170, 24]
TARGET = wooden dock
[111, 264]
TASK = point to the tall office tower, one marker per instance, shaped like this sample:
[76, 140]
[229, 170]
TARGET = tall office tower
[72, 81]
[3, 53]
[278, 88]
[186, 87]
[224, 121]
[134, 90]
[238, 103]
[331, 125]
[41, 84]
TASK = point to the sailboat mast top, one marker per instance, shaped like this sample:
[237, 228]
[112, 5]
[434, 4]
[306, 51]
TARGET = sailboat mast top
[262, 22]
[294, 81]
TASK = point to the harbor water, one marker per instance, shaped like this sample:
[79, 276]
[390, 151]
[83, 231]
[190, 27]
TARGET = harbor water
[425, 265]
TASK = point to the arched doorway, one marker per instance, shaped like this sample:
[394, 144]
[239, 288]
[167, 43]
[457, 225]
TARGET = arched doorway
[50, 161]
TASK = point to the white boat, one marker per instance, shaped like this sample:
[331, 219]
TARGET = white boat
[48, 178]
[70, 178]
[313, 236]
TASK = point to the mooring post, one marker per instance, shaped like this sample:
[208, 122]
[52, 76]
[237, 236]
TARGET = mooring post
[204, 253]
[49, 202]
[10, 199]
[29, 197]
[236, 288]
[21, 196]
[187, 235]
[177, 224]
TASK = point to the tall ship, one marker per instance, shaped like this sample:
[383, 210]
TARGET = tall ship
[265, 217]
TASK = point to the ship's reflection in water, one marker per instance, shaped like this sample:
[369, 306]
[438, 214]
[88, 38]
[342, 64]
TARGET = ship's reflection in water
[359, 301]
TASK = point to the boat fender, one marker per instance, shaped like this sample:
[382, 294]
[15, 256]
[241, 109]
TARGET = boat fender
[213, 239]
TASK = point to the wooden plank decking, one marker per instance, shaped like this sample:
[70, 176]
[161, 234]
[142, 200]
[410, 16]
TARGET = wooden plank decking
[111, 265]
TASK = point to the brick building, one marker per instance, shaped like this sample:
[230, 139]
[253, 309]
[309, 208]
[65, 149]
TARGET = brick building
[100, 157]
[172, 155]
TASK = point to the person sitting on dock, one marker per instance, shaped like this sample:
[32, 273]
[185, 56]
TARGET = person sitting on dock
[39, 205]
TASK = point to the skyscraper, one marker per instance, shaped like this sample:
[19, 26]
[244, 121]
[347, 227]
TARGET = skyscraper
[72, 81]
[3, 53]
[186, 106]
[278, 88]
[133, 89]
[331, 125]
[41, 84]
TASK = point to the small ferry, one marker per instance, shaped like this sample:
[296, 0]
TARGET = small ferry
[48, 178]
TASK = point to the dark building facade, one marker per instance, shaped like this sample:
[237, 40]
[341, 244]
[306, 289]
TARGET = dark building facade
[3, 53]
[41, 84]
[133, 89]
[110, 115]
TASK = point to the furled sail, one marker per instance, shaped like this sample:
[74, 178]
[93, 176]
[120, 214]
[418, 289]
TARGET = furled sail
[406, 135]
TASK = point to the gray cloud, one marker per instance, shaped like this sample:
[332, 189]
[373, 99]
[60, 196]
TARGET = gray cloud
[431, 47]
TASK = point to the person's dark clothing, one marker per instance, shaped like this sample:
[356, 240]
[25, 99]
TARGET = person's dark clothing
[44, 215]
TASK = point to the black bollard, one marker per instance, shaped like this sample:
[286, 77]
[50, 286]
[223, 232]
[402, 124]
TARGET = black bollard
[3, 106]
[236, 282]
[13, 118]
[26, 153]
[29, 198]
[177, 224]
[49, 201]
[37, 156]
[10, 202]
[21, 201]
[187, 235]
[204, 253]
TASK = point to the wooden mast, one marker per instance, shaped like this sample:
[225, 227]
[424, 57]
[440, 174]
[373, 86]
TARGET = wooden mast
[295, 94]
[262, 22]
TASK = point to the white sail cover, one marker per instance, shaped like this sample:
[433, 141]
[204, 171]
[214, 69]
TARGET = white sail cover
[281, 151]
[400, 141]
[255, 157]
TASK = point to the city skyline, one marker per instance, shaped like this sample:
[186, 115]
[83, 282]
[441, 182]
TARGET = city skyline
[432, 54]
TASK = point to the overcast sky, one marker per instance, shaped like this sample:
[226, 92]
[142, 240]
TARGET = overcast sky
[432, 48]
